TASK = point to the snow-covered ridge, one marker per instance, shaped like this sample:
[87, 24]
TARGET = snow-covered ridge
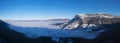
[96, 15]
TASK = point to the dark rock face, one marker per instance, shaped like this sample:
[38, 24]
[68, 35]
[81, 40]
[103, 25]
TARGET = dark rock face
[3, 41]
[10, 35]
[111, 35]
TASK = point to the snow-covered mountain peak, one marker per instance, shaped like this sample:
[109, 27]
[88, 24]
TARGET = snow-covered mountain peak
[96, 15]
[86, 20]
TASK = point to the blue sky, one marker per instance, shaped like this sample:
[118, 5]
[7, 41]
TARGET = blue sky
[51, 9]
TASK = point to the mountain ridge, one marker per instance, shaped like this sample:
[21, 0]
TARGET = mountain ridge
[90, 19]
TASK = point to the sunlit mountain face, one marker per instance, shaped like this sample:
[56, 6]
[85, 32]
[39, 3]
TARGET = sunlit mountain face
[82, 28]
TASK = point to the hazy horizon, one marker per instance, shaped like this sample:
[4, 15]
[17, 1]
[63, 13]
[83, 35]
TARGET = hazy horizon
[54, 9]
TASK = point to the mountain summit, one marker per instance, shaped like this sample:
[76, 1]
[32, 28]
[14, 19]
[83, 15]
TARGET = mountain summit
[86, 20]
